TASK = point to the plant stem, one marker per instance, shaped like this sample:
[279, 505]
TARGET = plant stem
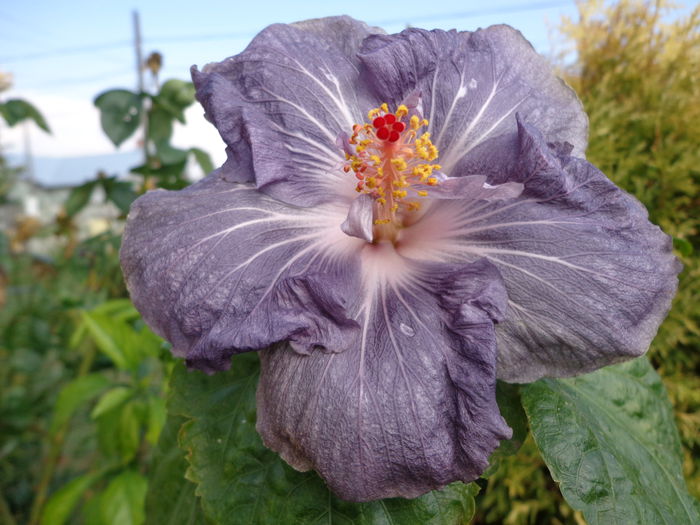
[6, 517]
[50, 460]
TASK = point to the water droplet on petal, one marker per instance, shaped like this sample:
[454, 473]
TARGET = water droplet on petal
[407, 330]
[473, 83]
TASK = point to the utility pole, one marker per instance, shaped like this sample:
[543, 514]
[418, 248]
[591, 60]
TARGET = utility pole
[139, 77]
[137, 46]
[28, 158]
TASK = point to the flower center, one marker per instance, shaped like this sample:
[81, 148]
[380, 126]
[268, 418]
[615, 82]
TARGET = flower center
[393, 164]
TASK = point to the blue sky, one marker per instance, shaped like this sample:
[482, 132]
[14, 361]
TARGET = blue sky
[76, 46]
[62, 53]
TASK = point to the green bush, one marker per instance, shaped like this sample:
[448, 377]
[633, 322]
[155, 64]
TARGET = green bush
[637, 72]
[83, 380]
[638, 75]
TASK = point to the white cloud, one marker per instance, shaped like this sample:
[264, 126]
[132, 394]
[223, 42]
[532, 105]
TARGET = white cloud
[75, 130]
[200, 133]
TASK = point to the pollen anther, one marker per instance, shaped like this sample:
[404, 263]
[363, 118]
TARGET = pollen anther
[392, 160]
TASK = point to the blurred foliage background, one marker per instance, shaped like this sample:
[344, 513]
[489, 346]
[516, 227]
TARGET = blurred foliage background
[83, 380]
[637, 72]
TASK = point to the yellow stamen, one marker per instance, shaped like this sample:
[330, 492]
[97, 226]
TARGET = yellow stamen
[390, 158]
[399, 163]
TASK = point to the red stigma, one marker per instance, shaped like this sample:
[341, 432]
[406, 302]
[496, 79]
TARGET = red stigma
[390, 157]
[388, 127]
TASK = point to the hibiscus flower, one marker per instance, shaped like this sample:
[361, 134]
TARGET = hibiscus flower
[401, 220]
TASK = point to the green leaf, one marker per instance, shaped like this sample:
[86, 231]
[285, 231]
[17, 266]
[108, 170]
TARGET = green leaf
[203, 159]
[510, 405]
[90, 512]
[119, 340]
[16, 110]
[242, 482]
[121, 309]
[79, 197]
[119, 192]
[120, 113]
[130, 423]
[156, 418]
[683, 246]
[60, 505]
[119, 432]
[175, 95]
[171, 498]
[160, 124]
[610, 440]
[74, 394]
[169, 154]
[170, 176]
[77, 336]
[111, 399]
[122, 501]
[99, 327]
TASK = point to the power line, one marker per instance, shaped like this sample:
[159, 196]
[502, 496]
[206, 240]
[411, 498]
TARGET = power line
[387, 22]
[69, 81]
[67, 51]
[45, 35]
[532, 6]
[247, 34]
[201, 37]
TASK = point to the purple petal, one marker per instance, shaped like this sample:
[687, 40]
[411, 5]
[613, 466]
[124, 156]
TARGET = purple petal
[472, 84]
[342, 142]
[412, 406]
[359, 222]
[474, 188]
[414, 104]
[281, 104]
[589, 278]
[219, 268]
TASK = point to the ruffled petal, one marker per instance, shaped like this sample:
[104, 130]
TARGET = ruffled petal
[281, 104]
[473, 188]
[219, 268]
[412, 407]
[472, 85]
[359, 221]
[589, 278]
